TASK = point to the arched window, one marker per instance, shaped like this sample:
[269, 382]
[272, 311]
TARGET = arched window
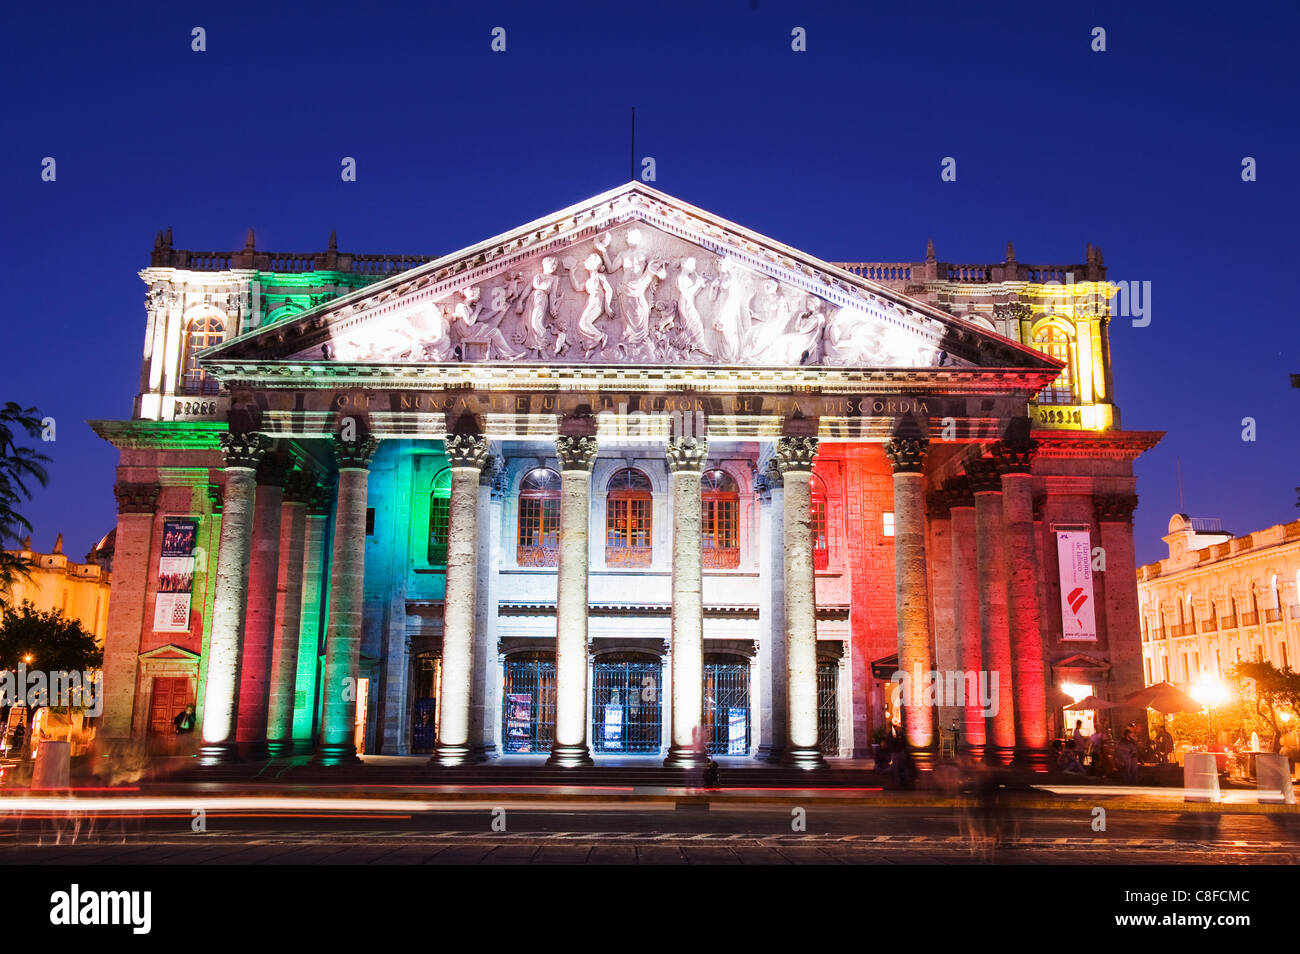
[628, 507]
[1057, 343]
[439, 508]
[820, 533]
[721, 521]
[1191, 612]
[539, 518]
[202, 333]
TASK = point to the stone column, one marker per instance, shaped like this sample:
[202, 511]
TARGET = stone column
[242, 452]
[995, 635]
[911, 588]
[260, 611]
[485, 704]
[309, 637]
[347, 594]
[137, 505]
[689, 748]
[1114, 515]
[577, 456]
[467, 454]
[794, 457]
[288, 612]
[773, 630]
[966, 611]
[1023, 617]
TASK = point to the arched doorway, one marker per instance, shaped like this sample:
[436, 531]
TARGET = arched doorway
[726, 704]
[528, 703]
[627, 703]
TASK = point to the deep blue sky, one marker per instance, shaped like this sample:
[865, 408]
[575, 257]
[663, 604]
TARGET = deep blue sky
[835, 151]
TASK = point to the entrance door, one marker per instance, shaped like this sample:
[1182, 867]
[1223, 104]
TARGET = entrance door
[171, 694]
[626, 704]
[726, 705]
[528, 704]
[828, 707]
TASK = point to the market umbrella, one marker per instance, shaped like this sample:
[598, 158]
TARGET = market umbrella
[1057, 699]
[1164, 698]
[1092, 702]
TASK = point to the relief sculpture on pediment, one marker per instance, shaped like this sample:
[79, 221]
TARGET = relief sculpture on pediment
[636, 295]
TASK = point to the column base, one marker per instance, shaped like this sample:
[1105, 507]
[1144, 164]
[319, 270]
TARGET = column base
[218, 753]
[1002, 755]
[344, 753]
[975, 751]
[925, 757]
[303, 746]
[450, 756]
[687, 757]
[279, 748]
[1036, 760]
[569, 756]
[803, 757]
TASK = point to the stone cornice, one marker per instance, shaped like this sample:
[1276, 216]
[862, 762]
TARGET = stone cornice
[524, 376]
[1123, 445]
[167, 435]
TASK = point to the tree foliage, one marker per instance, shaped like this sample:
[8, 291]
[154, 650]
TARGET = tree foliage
[55, 642]
[19, 466]
[1271, 691]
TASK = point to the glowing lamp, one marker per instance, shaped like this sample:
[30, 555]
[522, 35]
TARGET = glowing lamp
[1210, 692]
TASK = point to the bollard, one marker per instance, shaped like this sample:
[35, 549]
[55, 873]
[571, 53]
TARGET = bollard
[53, 764]
[1200, 778]
[1273, 779]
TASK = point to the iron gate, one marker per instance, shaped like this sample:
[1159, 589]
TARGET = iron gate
[626, 705]
[828, 707]
[726, 707]
[528, 705]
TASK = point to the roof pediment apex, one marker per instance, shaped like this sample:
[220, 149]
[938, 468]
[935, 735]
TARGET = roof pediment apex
[631, 276]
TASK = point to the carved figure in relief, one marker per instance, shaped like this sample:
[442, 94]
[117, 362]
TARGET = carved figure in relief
[730, 316]
[544, 303]
[467, 313]
[853, 339]
[600, 302]
[690, 325]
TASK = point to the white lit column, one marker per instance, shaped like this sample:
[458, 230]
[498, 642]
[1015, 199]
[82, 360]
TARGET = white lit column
[347, 595]
[242, 453]
[467, 454]
[689, 748]
[298, 489]
[794, 457]
[911, 587]
[577, 455]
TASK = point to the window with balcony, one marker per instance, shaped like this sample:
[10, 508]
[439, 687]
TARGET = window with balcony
[439, 510]
[820, 534]
[539, 519]
[629, 507]
[202, 333]
[720, 499]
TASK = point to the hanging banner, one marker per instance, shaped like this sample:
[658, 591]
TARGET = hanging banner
[171, 610]
[1074, 556]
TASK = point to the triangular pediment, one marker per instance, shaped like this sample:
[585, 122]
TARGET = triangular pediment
[630, 277]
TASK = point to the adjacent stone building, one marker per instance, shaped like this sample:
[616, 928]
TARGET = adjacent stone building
[1219, 599]
[626, 479]
[78, 590]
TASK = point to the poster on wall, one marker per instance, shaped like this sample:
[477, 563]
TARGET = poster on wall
[1074, 555]
[171, 612]
[738, 731]
[613, 726]
[519, 717]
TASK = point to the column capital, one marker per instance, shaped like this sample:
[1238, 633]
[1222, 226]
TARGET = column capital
[354, 455]
[274, 469]
[244, 448]
[907, 454]
[321, 503]
[299, 486]
[1014, 455]
[576, 453]
[492, 472]
[136, 497]
[686, 453]
[1114, 508]
[795, 454]
[466, 451]
[984, 475]
[957, 491]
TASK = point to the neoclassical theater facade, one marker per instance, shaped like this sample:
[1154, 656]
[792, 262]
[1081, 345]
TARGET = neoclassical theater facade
[626, 480]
